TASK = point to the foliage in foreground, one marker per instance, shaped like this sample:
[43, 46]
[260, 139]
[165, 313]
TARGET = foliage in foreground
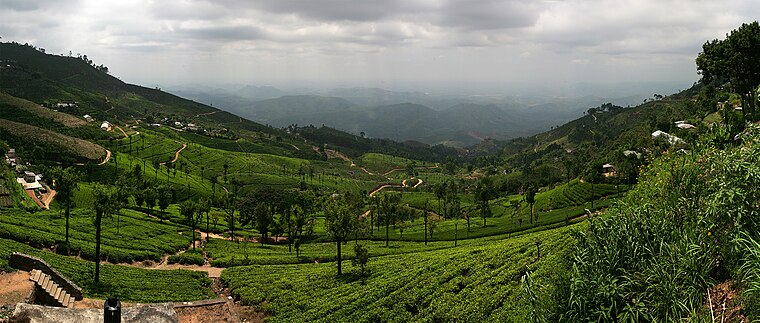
[672, 238]
[464, 284]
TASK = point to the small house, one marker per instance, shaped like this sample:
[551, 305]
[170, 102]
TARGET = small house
[29, 177]
[88, 117]
[11, 153]
[684, 125]
[105, 126]
[608, 170]
[670, 138]
[30, 181]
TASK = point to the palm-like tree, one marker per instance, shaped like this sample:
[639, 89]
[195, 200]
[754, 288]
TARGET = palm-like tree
[105, 202]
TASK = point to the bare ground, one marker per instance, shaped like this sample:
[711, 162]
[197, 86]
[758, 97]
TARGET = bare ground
[15, 287]
[723, 302]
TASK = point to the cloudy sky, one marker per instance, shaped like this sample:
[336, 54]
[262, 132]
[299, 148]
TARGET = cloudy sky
[380, 43]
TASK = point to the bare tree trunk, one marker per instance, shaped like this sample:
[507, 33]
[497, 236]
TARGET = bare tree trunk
[339, 258]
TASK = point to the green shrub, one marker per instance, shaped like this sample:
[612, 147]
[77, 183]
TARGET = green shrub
[190, 257]
[656, 254]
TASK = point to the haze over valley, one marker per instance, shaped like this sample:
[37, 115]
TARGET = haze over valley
[379, 161]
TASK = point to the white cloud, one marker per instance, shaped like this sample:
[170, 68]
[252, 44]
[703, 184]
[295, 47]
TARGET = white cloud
[480, 40]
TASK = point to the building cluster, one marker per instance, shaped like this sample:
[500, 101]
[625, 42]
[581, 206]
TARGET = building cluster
[27, 179]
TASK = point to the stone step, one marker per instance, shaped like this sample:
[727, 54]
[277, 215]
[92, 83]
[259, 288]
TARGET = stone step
[35, 275]
[43, 280]
[66, 298]
[46, 283]
[51, 288]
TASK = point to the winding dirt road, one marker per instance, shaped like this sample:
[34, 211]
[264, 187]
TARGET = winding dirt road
[108, 156]
[206, 113]
[176, 154]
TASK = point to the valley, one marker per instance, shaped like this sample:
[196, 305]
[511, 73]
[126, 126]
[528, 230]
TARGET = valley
[311, 208]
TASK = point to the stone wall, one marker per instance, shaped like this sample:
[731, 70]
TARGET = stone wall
[154, 313]
[26, 262]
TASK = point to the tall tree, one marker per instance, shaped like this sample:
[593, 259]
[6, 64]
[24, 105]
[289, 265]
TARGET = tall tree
[105, 202]
[225, 166]
[530, 198]
[736, 60]
[204, 206]
[484, 193]
[164, 199]
[229, 203]
[65, 182]
[389, 207]
[188, 209]
[339, 224]
[302, 212]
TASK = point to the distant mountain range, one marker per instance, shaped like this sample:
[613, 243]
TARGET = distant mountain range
[451, 120]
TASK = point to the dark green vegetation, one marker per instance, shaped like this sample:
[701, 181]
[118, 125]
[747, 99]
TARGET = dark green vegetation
[131, 236]
[469, 284]
[128, 283]
[689, 224]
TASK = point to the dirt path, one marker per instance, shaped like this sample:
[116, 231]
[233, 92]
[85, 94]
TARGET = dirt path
[14, 287]
[382, 187]
[419, 182]
[212, 235]
[108, 156]
[206, 113]
[336, 154]
[366, 171]
[48, 197]
[392, 170]
[176, 154]
[35, 199]
[213, 272]
[122, 131]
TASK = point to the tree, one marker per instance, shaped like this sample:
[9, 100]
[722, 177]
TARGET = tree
[188, 209]
[263, 218]
[361, 259]
[204, 206]
[105, 202]
[164, 198]
[432, 223]
[339, 223]
[228, 204]
[225, 166]
[213, 186]
[736, 60]
[484, 192]
[65, 182]
[259, 208]
[389, 207]
[530, 198]
[303, 217]
[591, 176]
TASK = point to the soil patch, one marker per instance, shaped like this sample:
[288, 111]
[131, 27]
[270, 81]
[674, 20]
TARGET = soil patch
[203, 314]
[723, 300]
[15, 287]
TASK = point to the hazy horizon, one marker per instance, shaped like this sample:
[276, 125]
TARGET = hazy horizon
[477, 47]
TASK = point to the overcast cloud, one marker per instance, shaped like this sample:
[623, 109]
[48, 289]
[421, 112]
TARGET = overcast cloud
[380, 43]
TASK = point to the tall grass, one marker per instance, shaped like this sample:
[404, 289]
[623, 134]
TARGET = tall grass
[689, 224]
